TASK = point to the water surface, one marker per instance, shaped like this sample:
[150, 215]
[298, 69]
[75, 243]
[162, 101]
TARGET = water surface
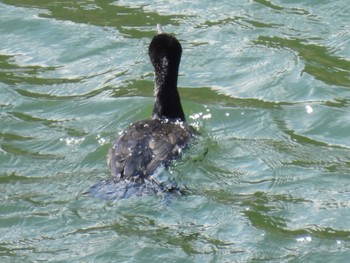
[267, 83]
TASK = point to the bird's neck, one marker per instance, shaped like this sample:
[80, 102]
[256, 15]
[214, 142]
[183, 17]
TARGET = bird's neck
[167, 103]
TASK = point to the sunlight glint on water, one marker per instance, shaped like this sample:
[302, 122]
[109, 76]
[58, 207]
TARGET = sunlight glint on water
[266, 83]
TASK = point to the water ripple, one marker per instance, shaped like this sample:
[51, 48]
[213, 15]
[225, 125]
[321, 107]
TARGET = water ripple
[266, 84]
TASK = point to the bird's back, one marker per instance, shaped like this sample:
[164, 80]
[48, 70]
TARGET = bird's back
[146, 145]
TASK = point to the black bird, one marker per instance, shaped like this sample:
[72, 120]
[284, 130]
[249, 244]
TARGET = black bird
[150, 144]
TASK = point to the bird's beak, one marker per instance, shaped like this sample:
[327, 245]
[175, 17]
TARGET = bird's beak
[159, 29]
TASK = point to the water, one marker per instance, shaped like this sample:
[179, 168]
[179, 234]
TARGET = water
[266, 82]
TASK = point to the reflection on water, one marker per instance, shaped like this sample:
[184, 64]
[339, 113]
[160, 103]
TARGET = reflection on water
[265, 82]
[128, 21]
[318, 62]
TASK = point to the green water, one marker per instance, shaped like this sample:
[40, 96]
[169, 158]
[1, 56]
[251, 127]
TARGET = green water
[267, 83]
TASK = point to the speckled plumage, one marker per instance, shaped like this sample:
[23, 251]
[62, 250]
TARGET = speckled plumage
[148, 145]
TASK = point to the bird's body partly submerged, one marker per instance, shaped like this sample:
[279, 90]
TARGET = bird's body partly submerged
[147, 145]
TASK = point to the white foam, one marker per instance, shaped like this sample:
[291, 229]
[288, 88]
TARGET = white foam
[70, 141]
[304, 239]
[100, 140]
[207, 116]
